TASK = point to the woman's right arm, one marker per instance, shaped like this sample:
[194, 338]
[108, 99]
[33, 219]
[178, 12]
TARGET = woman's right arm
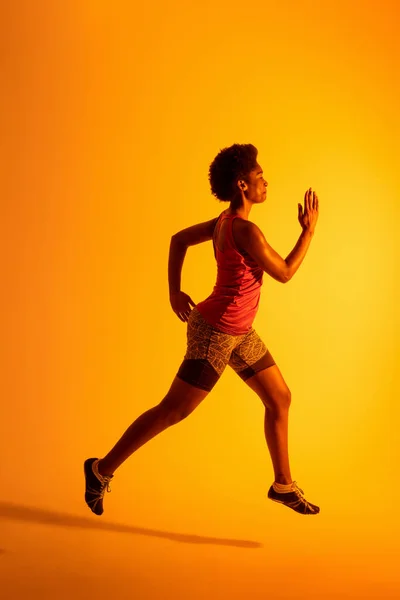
[254, 242]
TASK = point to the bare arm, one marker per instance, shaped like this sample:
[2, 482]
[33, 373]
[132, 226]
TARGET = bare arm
[177, 253]
[295, 258]
[180, 242]
[308, 220]
[180, 302]
[254, 242]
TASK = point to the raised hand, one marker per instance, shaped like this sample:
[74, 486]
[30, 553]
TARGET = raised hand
[308, 218]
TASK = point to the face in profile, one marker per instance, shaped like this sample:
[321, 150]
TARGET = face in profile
[256, 189]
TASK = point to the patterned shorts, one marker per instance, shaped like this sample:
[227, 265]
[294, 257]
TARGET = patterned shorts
[210, 350]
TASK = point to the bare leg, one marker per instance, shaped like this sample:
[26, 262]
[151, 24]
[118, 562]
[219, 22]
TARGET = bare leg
[270, 386]
[179, 402]
[147, 426]
[276, 435]
[276, 397]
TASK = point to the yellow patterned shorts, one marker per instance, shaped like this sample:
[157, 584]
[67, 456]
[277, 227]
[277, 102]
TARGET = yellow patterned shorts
[210, 350]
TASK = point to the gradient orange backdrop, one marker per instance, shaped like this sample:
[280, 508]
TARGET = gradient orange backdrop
[111, 115]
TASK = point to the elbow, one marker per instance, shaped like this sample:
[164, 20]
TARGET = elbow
[286, 276]
[281, 277]
[175, 239]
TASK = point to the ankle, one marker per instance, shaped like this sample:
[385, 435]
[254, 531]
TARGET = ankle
[283, 480]
[104, 469]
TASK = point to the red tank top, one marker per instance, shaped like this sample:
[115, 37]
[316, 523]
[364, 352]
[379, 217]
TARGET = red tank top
[233, 304]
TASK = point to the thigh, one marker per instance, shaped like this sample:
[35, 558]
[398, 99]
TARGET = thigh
[250, 356]
[182, 398]
[207, 354]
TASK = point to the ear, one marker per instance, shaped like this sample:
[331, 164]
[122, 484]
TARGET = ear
[242, 185]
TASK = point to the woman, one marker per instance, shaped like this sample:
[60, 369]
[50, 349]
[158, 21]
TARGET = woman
[219, 330]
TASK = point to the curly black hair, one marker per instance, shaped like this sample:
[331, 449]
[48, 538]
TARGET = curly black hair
[230, 165]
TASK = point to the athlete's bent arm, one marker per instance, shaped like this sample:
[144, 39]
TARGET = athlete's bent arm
[180, 242]
[196, 234]
[254, 242]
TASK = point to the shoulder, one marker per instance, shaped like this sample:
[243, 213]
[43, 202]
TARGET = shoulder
[243, 230]
[202, 232]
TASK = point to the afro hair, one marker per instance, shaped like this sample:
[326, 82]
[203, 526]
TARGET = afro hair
[230, 165]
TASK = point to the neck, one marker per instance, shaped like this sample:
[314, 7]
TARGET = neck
[241, 212]
[240, 206]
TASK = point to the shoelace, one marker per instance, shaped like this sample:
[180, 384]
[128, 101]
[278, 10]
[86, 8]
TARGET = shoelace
[300, 494]
[296, 488]
[99, 494]
[105, 484]
[104, 480]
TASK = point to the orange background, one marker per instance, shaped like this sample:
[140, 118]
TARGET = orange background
[111, 115]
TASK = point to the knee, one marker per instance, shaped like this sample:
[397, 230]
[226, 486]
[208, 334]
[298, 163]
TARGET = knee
[172, 413]
[280, 400]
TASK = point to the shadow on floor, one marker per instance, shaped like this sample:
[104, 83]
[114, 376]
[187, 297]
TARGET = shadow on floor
[19, 512]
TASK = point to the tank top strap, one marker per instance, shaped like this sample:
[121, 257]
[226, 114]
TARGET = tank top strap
[229, 229]
[234, 244]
